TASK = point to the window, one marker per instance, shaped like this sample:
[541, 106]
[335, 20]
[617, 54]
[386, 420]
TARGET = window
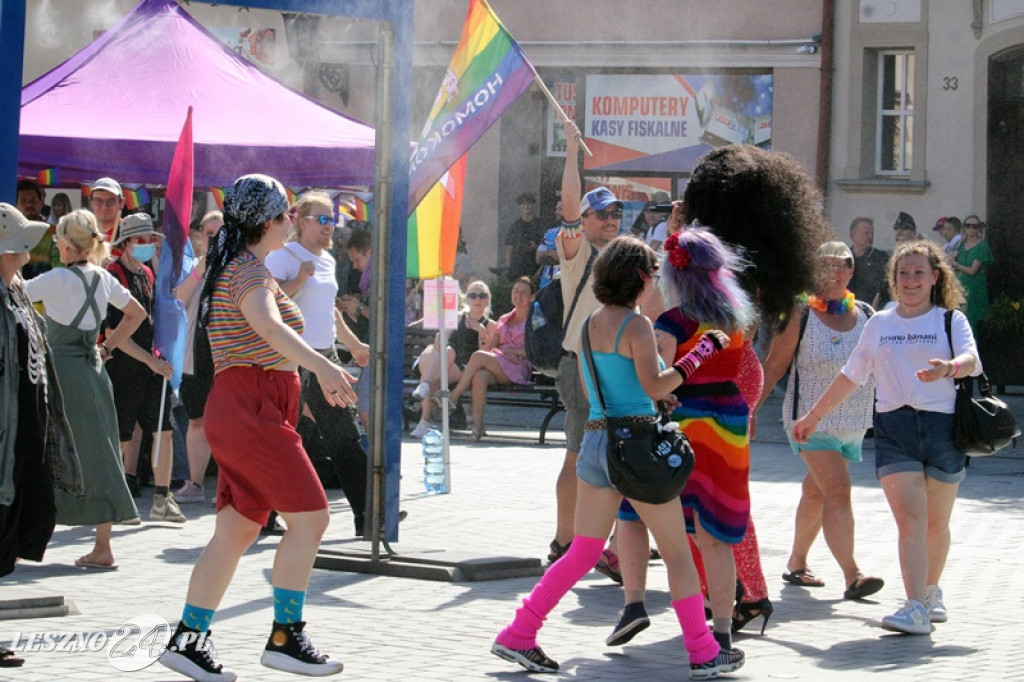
[895, 125]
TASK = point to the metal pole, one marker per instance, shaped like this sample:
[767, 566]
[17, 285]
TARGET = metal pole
[12, 56]
[443, 359]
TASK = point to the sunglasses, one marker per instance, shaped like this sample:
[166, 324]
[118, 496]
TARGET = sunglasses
[474, 296]
[321, 219]
[605, 214]
[975, 225]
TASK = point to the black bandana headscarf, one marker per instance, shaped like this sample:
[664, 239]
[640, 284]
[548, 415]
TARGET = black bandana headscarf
[251, 202]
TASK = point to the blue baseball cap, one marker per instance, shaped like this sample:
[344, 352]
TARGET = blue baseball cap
[598, 199]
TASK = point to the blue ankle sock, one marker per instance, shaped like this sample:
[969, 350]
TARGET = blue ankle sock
[197, 618]
[288, 605]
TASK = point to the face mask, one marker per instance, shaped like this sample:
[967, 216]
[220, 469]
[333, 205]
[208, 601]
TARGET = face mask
[144, 252]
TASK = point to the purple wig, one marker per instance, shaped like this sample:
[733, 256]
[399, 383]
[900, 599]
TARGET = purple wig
[698, 275]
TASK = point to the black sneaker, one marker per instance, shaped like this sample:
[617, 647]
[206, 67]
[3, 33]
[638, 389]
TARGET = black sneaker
[289, 649]
[190, 652]
[133, 486]
[634, 619]
[727, 661]
[534, 660]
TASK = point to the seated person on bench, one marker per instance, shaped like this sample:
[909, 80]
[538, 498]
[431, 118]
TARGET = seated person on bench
[475, 325]
[504, 359]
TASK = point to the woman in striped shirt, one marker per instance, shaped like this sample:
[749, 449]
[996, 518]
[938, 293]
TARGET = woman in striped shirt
[254, 331]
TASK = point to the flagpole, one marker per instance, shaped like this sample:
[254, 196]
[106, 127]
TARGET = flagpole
[558, 108]
[159, 428]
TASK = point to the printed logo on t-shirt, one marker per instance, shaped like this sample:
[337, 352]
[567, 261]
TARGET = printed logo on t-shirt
[909, 339]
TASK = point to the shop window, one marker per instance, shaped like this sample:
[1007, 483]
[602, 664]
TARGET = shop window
[894, 155]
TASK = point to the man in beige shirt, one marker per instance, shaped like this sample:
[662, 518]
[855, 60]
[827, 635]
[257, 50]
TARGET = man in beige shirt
[587, 228]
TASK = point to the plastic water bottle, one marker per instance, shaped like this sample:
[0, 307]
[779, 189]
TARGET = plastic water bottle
[433, 462]
[537, 320]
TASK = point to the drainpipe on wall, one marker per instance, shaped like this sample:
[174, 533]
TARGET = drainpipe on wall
[825, 96]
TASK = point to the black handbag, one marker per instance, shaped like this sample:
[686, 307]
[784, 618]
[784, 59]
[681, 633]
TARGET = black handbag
[647, 461]
[981, 426]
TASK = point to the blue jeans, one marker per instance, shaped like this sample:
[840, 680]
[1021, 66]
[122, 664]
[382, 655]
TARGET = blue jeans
[916, 440]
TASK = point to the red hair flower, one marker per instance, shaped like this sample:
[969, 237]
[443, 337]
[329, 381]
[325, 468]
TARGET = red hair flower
[678, 256]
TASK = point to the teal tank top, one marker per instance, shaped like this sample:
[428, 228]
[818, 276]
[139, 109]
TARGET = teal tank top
[623, 394]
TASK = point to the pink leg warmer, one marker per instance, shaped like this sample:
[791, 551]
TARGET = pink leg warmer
[700, 644]
[521, 633]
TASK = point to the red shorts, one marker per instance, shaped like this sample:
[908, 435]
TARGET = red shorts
[250, 423]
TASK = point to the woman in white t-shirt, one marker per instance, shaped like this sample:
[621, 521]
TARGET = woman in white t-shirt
[305, 270]
[76, 300]
[907, 350]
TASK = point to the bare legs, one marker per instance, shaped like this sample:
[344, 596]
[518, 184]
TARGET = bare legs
[233, 534]
[430, 371]
[101, 551]
[825, 504]
[922, 508]
[161, 468]
[198, 451]
[481, 371]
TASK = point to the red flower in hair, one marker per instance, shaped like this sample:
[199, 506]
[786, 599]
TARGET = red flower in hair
[678, 256]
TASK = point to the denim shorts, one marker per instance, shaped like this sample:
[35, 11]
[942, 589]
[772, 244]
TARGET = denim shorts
[846, 443]
[362, 389]
[916, 440]
[592, 461]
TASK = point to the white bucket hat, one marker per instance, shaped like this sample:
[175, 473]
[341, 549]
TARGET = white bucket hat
[17, 233]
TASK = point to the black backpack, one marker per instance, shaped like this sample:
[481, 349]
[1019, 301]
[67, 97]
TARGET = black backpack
[544, 334]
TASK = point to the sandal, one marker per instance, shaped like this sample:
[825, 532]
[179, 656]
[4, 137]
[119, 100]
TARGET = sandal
[609, 565]
[475, 436]
[863, 587]
[802, 577]
[557, 551]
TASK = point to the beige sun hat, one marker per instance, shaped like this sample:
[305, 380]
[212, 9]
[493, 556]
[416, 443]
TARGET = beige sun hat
[17, 233]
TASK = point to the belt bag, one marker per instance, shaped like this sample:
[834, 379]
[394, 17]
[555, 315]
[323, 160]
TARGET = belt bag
[647, 461]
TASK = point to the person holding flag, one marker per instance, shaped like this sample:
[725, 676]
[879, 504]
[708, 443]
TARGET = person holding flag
[137, 373]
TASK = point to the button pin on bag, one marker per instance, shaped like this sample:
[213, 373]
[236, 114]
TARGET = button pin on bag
[624, 432]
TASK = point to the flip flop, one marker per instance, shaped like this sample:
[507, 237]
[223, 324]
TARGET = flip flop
[803, 577]
[82, 562]
[863, 587]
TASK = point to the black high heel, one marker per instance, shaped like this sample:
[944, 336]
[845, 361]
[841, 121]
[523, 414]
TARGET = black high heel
[748, 611]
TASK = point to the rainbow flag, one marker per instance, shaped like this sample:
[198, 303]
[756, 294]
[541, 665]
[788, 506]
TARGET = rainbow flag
[291, 195]
[218, 196]
[364, 207]
[135, 197]
[49, 177]
[487, 73]
[433, 229]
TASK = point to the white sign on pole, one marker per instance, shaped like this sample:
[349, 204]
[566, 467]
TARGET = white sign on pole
[440, 302]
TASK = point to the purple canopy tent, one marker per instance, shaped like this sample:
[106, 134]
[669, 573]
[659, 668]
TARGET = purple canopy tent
[115, 109]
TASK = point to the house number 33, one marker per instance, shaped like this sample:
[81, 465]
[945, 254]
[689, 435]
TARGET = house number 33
[950, 82]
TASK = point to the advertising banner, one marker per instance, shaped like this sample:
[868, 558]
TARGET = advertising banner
[565, 94]
[666, 122]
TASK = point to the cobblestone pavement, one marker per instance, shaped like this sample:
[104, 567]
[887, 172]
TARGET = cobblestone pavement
[502, 504]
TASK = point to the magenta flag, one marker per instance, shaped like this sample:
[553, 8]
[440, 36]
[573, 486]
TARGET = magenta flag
[170, 323]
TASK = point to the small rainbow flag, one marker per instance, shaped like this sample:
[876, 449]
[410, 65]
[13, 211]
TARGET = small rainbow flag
[218, 196]
[364, 207]
[86, 193]
[135, 197]
[433, 228]
[487, 73]
[291, 195]
[49, 177]
[345, 209]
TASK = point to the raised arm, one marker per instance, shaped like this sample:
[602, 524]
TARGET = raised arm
[572, 188]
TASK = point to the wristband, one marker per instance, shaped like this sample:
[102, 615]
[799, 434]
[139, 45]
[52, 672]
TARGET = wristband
[195, 275]
[572, 230]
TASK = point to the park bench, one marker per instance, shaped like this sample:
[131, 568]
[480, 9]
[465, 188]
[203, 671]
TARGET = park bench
[541, 392]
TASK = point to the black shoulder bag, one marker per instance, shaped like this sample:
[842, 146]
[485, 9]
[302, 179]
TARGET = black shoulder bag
[547, 322]
[647, 461]
[981, 426]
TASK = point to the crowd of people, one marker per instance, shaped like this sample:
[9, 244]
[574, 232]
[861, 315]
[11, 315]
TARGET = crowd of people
[671, 312]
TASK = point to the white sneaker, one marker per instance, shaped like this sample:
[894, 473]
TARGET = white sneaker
[911, 618]
[422, 391]
[190, 492]
[933, 600]
[420, 429]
